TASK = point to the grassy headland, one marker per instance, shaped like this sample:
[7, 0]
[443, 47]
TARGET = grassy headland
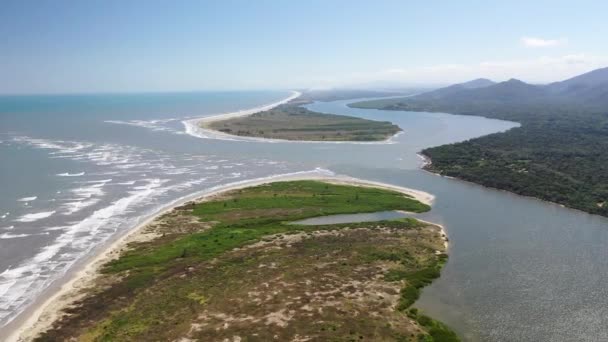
[292, 122]
[232, 267]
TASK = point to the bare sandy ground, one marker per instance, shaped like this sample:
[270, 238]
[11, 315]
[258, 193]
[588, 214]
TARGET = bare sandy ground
[41, 317]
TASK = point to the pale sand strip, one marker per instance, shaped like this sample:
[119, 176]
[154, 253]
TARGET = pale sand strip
[444, 233]
[194, 126]
[43, 315]
[199, 127]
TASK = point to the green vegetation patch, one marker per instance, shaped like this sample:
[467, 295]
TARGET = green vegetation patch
[438, 332]
[292, 122]
[248, 272]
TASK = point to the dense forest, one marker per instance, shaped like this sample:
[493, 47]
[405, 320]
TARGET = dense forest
[559, 154]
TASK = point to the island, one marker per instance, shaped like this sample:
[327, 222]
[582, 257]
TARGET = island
[291, 121]
[236, 266]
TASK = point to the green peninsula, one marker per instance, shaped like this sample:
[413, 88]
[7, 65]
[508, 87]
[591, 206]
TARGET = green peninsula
[293, 122]
[232, 267]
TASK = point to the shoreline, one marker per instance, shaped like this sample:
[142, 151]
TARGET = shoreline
[43, 314]
[427, 162]
[197, 128]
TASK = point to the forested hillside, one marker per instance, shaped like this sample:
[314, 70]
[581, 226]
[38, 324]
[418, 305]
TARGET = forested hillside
[560, 152]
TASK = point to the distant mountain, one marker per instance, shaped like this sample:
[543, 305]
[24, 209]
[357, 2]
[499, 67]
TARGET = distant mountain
[457, 88]
[559, 153]
[593, 78]
[477, 83]
[590, 89]
[484, 90]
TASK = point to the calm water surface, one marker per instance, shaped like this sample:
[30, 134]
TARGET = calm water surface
[519, 269]
[350, 218]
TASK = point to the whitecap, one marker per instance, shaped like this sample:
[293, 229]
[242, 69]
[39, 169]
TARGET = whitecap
[94, 189]
[67, 174]
[126, 183]
[15, 236]
[35, 216]
[19, 285]
[75, 206]
[27, 199]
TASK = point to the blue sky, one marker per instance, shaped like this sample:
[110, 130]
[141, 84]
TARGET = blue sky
[114, 46]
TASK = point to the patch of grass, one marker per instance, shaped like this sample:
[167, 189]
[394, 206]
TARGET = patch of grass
[158, 289]
[311, 198]
[415, 281]
[438, 332]
[292, 122]
[199, 298]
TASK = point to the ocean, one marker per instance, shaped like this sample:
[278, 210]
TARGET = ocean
[78, 169]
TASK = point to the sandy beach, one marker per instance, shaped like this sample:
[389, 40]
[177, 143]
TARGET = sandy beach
[41, 316]
[195, 127]
[198, 127]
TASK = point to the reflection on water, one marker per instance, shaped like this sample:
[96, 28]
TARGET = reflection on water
[353, 218]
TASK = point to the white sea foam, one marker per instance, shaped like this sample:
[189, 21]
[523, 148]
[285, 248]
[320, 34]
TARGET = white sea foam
[15, 236]
[67, 174]
[126, 183]
[21, 284]
[27, 199]
[155, 125]
[107, 206]
[62, 147]
[8, 228]
[99, 182]
[35, 216]
[12, 236]
[87, 192]
[5, 215]
[75, 206]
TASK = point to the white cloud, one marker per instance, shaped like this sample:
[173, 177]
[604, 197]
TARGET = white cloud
[539, 42]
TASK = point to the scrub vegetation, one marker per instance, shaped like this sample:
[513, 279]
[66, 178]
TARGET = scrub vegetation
[234, 268]
[293, 122]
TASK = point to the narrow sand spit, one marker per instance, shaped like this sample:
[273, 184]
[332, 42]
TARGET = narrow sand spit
[40, 317]
[199, 128]
[194, 126]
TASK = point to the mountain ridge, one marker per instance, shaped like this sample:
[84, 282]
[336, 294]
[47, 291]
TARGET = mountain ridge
[558, 154]
[590, 88]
